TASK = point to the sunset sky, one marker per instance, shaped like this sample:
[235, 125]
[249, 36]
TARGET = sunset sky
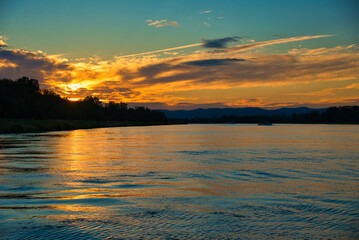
[187, 54]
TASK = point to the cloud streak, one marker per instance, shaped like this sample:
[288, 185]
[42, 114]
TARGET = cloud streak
[162, 50]
[208, 11]
[258, 71]
[248, 46]
[236, 48]
[162, 23]
[155, 22]
[172, 24]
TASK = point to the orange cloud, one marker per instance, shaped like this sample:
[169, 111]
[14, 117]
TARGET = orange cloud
[148, 77]
[2, 43]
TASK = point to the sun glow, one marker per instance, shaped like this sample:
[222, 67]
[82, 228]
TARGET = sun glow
[73, 86]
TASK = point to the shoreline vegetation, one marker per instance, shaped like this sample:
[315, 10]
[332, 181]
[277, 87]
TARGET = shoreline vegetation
[25, 108]
[10, 126]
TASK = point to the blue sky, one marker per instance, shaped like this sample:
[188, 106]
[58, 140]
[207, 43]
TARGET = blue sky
[96, 31]
[107, 28]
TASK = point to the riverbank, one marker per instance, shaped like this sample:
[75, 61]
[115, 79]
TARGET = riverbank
[35, 125]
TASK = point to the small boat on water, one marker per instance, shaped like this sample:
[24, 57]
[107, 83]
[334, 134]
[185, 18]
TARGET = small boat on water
[265, 123]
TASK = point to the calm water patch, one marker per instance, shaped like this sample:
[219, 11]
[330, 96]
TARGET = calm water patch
[232, 181]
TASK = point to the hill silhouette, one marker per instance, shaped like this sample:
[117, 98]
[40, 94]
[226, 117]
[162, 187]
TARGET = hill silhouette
[248, 111]
[342, 114]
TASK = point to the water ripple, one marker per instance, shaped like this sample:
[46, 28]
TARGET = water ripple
[181, 182]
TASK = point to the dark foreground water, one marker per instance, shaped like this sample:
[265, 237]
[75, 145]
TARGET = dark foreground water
[182, 182]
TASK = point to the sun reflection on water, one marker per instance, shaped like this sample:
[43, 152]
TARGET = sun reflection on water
[231, 181]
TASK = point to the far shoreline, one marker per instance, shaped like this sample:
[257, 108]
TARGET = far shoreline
[18, 126]
[15, 126]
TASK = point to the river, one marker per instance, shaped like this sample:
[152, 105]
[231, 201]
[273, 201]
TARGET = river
[208, 181]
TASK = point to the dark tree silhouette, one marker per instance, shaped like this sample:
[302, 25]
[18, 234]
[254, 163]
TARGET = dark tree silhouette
[23, 98]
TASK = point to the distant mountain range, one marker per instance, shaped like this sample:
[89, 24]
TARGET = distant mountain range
[250, 111]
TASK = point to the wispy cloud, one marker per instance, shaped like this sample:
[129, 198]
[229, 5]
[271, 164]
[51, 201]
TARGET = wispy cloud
[208, 11]
[207, 24]
[162, 50]
[151, 23]
[245, 47]
[184, 73]
[172, 24]
[319, 51]
[162, 23]
[354, 88]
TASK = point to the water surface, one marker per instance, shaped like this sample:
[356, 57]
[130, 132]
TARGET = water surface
[182, 182]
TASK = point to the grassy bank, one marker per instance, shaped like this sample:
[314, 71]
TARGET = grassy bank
[31, 126]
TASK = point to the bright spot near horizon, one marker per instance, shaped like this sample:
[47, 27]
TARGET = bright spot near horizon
[74, 86]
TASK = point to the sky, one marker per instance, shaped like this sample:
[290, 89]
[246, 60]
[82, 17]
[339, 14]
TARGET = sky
[186, 54]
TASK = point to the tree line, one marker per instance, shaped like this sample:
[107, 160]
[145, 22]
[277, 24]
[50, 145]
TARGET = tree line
[23, 99]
